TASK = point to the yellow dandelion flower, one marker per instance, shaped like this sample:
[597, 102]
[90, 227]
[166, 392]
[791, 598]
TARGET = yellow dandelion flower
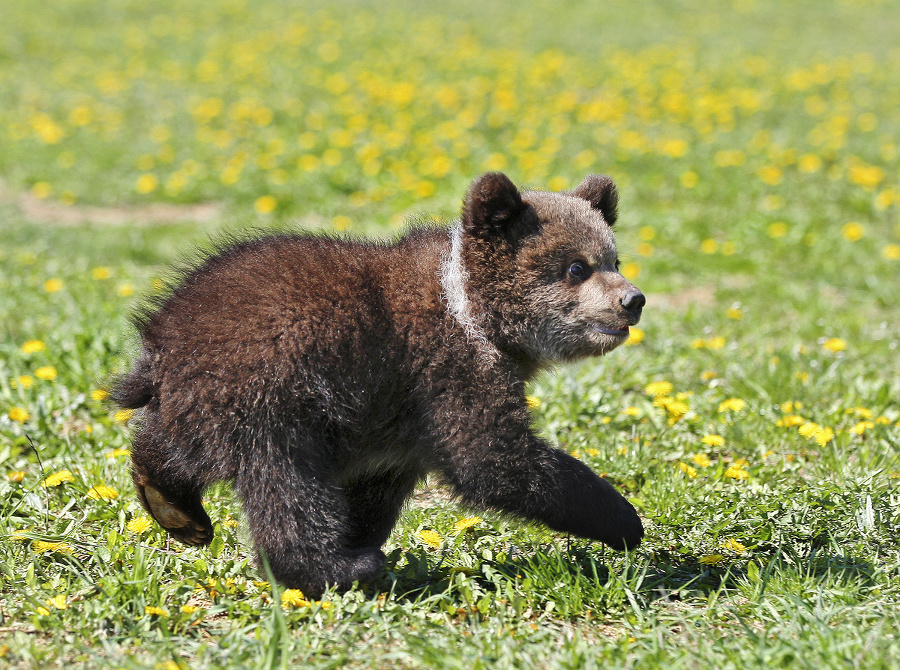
[713, 440]
[735, 313]
[265, 204]
[431, 538]
[709, 246]
[293, 598]
[53, 285]
[891, 252]
[125, 290]
[808, 429]
[711, 559]
[495, 162]
[146, 183]
[732, 405]
[631, 411]
[853, 231]
[688, 470]
[823, 435]
[715, 342]
[46, 372]
[43, 547]
[102, 492]
[43, 611]
[867, 176]
[41, 190]
[139, 525]
[468, 522]
[341, 222]
[622, 450]
[791, 420]
[660, 388]
[123, 415]
[59, 602]
[675, 408]
[862, 427]
[151, 610]
[18, 414]
[735, 546]
[116, 453]
[630, 271]
[708, 375]
[689, 179]
[58, 478]
[736, 472]
[188, 609]
[533, 402]
[777, 229]
[99, 394]
[809, 163]
[635, 336]
[647, 233]
[701, 459]
[16, 476]
[33, 347]
[558, 183]
[834, 344]
[101, 273]
[25, 381]
[770, 174]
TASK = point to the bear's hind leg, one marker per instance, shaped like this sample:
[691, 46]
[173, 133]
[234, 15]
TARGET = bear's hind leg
[374, 504]
[301, 526]
[171, 495]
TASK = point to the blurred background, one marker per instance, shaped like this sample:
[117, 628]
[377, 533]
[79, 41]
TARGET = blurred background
[752, 418]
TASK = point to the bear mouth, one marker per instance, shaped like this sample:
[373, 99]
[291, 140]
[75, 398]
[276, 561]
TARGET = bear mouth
[615, 332]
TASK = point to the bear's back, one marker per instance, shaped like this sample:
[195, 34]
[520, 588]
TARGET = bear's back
[306, 321]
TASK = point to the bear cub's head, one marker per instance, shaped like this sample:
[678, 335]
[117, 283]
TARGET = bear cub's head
[536, 274]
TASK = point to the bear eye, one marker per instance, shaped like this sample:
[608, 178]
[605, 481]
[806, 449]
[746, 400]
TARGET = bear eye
[579, 271]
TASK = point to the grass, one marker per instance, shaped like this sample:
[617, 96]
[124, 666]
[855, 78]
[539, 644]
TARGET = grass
[755, 144]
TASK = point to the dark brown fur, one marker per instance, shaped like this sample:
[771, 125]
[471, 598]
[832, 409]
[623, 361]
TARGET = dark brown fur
[325, 378]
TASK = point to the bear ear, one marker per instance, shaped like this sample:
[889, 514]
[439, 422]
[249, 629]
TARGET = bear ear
[601, 192]
[492, 203]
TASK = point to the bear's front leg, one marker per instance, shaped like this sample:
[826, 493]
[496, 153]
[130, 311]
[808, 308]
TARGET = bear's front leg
[502, 465]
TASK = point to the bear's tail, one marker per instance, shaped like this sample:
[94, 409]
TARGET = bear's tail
[134, 389]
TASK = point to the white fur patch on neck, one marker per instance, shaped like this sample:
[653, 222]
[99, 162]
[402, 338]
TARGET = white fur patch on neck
[454, 279]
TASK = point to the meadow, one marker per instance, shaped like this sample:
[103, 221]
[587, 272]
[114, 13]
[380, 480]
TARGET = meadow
[752, 418]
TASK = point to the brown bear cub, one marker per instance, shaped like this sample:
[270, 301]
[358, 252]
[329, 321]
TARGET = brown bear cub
[326, 377]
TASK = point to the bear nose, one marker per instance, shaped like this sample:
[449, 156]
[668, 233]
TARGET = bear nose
[633, 301]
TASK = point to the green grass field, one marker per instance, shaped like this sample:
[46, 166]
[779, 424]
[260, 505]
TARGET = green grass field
[753, 419]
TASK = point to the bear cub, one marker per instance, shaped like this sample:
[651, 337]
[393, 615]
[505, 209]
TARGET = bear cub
[326, 377]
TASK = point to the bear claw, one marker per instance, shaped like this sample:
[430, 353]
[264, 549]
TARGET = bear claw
[176, 521]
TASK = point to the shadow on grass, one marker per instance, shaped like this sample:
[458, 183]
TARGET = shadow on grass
[583, 579]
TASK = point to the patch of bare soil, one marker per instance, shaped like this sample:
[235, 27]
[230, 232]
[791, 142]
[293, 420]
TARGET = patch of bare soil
[430, 494]
[56, 213]
[702, 296]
